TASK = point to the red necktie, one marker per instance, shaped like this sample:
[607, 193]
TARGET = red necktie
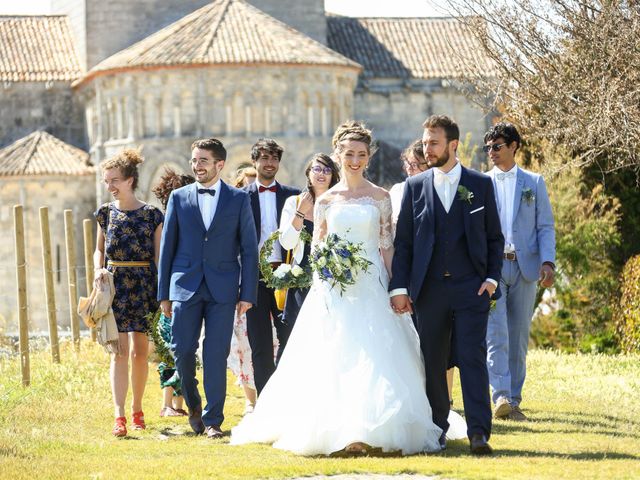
[272, 188]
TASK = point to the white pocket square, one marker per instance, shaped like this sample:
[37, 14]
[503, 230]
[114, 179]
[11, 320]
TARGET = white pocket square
[476, 210]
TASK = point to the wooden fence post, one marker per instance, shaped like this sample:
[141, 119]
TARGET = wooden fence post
[87, 230]
[73, 278]
[47, 263]
[21, 273]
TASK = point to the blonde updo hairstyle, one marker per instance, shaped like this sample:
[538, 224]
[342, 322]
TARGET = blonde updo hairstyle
[127, 163]
[352, 130]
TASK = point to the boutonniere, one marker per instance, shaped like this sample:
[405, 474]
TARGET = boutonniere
[464, 194]
[528, 195]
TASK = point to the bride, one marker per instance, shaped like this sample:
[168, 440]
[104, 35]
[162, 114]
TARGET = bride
[351, 377]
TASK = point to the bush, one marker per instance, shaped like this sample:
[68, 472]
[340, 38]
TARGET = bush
[628, 312]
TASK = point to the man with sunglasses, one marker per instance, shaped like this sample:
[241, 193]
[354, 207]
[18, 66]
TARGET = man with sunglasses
[529, 255]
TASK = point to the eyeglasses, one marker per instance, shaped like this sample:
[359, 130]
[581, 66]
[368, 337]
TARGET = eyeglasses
[494, 147]
[414, 164]
[317, 169]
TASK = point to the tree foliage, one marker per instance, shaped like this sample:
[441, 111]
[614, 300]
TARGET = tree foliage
[565, 71]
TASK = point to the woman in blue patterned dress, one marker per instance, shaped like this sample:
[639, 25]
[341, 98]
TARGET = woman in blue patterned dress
[128, 238]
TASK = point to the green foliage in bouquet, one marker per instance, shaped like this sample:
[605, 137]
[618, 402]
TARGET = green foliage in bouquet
[338, 261]
[285, 276]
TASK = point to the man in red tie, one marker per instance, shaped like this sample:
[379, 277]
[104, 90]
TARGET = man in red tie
[267, 199]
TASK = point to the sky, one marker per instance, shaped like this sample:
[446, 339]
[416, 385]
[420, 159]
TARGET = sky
[369, 8]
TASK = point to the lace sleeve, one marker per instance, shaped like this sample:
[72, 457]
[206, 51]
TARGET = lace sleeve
[319, 222]
[386, 231]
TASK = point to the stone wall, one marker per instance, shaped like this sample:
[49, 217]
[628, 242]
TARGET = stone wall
[106, 27]
[29, 106]
[396, 113]
[165, 110]
[306, 16]
[58, 193]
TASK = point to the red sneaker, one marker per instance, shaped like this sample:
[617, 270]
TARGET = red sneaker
[138, 420]
[120, 427]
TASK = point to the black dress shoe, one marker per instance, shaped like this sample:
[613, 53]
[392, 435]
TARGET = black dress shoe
[479, 445]
[443, 441]
[213, 431]
[195, 420]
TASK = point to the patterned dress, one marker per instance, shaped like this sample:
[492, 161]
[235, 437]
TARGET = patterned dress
[129, 237]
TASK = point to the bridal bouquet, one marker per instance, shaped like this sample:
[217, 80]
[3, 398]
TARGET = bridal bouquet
[286, 275]
[338, 261]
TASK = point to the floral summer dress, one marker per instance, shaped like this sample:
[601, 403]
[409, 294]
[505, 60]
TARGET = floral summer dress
[129, 237]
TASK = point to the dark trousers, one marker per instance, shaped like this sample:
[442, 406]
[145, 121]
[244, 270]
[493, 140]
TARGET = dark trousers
[261, 335]
[186, 326]
[445, 306]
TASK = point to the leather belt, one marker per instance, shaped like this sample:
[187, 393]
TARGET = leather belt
[510, 256]
[115, 263]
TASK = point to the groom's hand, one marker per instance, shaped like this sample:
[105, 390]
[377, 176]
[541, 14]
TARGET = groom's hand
[546, 276]
[401, 304]
[488, 287]
[242, 307]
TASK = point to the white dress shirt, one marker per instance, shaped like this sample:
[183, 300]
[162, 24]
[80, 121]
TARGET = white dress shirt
[505, 191]
[446, 185]
[208, 203]
[268, 220]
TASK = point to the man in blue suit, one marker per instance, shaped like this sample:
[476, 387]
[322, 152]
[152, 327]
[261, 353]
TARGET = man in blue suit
[446, 267]
[529, 255]
[208, 226]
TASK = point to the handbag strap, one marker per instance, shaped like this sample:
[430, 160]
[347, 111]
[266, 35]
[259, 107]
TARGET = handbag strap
[289, 259]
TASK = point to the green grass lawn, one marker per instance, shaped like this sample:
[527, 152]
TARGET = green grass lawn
[584, 423]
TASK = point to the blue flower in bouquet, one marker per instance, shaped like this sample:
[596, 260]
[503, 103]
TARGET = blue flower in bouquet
[338, 261]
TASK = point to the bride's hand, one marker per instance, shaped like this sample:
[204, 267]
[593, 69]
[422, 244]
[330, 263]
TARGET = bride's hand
[401, 304]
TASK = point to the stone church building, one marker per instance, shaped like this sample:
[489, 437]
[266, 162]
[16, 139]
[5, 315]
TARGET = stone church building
[99, 76]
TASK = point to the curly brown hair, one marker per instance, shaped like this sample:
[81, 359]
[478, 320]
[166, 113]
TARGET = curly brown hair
[127, 162]
[169, 181]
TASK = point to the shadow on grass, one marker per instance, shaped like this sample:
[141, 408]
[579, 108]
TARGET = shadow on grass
[512, 427]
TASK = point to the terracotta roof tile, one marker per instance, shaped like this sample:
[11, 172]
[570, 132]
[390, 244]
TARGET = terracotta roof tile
[40, 153]
[224, 32]
[421, 48]
[37, 49]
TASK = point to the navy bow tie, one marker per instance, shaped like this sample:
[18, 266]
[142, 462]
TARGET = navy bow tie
[207, 190]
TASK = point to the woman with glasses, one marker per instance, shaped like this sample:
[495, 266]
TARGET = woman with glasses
[322, 173]
[413, 162]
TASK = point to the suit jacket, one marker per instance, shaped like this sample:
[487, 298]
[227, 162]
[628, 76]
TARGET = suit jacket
[282, 194]
[415, 230]
[533, 227]
[189, 252]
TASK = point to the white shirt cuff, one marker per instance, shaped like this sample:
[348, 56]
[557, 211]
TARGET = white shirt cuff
[492, 281]
[398, 291]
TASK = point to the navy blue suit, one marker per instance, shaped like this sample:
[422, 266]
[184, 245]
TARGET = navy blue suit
[442, 259]
[200, 273]
[259, 317]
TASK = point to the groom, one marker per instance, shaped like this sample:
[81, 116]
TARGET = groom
[446, 267]
[208, 227]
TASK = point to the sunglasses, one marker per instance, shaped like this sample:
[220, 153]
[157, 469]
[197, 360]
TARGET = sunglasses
[318, 169]
[494, 147]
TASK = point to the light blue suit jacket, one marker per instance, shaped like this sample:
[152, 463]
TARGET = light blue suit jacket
[190, 253]
[533, 227]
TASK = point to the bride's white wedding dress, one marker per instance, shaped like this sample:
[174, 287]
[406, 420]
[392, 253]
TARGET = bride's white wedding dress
[352, 369]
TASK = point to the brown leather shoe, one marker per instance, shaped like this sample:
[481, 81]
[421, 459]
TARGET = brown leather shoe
[479, 445]
[502, 409]
[195, 420]
[213, 431]
[517, 415]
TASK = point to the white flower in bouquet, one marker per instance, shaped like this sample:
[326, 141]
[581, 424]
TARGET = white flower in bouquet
[337, 269]
[282, 270]
[297, 271]
[346, 262]
[322, 261]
